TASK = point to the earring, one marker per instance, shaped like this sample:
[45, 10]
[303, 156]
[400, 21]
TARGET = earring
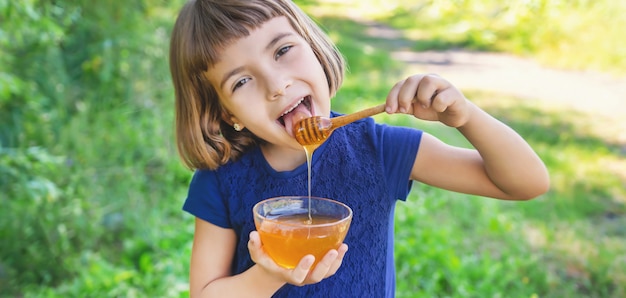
[237, 127]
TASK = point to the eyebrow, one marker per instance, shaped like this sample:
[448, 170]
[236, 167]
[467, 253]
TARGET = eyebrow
[269, 46]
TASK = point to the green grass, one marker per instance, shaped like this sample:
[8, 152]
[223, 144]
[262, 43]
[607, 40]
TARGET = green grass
[92, 187]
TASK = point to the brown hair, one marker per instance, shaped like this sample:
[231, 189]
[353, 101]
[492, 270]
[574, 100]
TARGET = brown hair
[203, 27]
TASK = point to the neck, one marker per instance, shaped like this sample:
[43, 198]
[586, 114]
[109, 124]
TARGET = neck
[283, 158]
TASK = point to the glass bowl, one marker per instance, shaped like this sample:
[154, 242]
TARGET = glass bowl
[288, 233]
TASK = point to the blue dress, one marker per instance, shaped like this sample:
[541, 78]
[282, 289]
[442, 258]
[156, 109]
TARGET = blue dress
[364, 165]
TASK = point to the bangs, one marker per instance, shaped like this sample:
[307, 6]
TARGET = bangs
[213, 24]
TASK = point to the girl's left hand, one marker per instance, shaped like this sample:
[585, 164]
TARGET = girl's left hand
[429, 97]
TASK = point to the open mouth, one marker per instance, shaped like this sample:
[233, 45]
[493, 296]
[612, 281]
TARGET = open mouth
[305, 103]
[300, 110]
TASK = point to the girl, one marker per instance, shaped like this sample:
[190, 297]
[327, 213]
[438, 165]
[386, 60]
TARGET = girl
[244, 72]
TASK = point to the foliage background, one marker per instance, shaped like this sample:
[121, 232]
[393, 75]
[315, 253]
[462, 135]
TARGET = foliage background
[91, 185]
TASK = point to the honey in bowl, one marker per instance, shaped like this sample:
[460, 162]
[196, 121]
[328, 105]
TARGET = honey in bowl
[288, 234]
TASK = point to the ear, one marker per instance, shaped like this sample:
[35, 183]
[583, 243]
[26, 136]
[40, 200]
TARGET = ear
[227, 117]
[230, 119]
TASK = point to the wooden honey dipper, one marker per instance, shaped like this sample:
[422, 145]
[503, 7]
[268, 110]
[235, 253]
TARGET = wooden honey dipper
[315, 130]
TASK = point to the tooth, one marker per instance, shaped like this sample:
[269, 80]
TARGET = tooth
[293, 107]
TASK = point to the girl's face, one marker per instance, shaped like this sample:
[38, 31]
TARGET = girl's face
[268, 81]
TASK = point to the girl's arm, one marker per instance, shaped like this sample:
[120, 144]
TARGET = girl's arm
[210, 269]
[212, 255]
[502, 165]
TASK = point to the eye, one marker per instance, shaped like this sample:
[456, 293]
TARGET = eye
[240, 83]
[282, 51]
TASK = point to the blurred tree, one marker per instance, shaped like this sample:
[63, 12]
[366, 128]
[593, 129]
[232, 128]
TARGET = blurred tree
[56, 53]
[59, 60]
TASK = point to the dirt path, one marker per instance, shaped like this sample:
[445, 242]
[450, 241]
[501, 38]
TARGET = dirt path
[598, 94]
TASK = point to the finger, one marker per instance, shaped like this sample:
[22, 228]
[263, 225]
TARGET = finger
[321, 269]
[392, 98]
[427, 89]
[338, 260]
[254, 246]
[299, 274]
[456, 107]
[258, 254]
[407, 94]
[442, 101]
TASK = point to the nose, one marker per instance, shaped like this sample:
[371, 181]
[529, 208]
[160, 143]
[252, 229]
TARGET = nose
[277, 87]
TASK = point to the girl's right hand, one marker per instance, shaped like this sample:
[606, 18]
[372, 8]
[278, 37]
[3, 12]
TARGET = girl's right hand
[302, 274]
